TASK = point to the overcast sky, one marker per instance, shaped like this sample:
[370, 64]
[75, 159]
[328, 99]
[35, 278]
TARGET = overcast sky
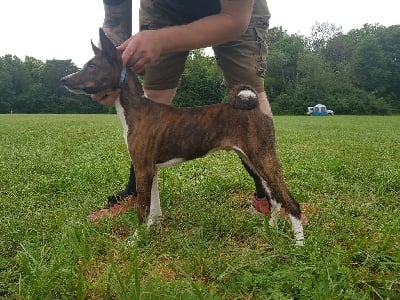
[53, 29]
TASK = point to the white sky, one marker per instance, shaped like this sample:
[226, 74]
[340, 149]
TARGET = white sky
[54, 29]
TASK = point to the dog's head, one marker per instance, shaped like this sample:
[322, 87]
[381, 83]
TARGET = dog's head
[99, 75]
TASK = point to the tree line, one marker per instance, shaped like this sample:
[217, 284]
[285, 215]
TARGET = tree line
[352, 73]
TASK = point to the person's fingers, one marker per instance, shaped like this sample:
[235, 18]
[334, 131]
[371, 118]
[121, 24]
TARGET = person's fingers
[123, 46]
[140, 51]
[128, 54]
[139, 66]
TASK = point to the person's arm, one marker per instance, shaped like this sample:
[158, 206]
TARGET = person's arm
[145, 47]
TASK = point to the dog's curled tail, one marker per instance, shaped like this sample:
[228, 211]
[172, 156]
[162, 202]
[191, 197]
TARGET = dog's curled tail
[243, 97]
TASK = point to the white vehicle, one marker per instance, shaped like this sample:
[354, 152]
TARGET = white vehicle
[319, 110]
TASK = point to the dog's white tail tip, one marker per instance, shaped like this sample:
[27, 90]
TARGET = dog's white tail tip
[247, 94]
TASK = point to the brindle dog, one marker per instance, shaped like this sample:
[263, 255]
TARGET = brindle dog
[159, 135]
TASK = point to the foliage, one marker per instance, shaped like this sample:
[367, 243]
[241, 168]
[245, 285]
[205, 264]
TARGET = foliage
[352, 73]
[200, 83]
[321, 34]
[345, 172]
[375, 67]
[35, 87]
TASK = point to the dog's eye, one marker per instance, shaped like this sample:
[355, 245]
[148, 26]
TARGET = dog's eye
[91, 65]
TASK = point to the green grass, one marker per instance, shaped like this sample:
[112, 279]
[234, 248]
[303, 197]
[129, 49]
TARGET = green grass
[55, 169]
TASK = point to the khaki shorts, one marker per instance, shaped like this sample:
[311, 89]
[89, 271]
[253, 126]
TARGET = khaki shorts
[241, 61]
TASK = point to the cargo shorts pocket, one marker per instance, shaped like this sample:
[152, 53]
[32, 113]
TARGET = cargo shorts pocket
[260, 28]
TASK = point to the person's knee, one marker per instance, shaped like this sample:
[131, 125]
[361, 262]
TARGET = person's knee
[264, 103]
[161, 96]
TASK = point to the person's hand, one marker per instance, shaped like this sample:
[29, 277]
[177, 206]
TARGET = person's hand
[106, 98]
[141, 50]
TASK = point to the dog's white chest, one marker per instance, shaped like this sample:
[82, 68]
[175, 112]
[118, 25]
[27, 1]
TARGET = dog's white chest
[121, 115]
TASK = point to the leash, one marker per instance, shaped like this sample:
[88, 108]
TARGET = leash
[123, 76]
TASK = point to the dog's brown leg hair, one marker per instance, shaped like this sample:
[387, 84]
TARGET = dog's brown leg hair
[144, 179]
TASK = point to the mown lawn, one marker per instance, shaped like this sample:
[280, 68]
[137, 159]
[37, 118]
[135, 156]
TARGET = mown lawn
[55, 169]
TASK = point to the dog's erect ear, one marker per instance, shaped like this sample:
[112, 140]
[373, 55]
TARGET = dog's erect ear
[107, 47]
[96, 50]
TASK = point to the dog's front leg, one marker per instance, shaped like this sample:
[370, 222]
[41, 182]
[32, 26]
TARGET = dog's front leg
[275, 212]
[144, 180]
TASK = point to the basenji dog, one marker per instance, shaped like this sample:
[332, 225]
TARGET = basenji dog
[159, 135]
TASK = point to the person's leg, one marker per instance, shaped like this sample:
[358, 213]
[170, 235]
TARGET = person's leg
[243, 61]
[264, 103]
[117, 25]
[117, 22]
[159, 81]
[161, 96]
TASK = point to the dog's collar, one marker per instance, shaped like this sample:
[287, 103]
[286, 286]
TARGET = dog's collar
[123, 76]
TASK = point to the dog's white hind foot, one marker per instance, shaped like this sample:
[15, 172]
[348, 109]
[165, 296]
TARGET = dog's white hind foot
[297, 228]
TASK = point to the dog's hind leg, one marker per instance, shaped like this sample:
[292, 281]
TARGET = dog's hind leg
[262, 189]
[155, 206]
[269, 169]
[275, 213]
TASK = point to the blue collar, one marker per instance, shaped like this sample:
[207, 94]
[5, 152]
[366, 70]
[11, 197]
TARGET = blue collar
[123, 76]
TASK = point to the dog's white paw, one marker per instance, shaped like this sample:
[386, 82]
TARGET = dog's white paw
[273, 221]
[297, 228]
[133, 239]
[154, 220]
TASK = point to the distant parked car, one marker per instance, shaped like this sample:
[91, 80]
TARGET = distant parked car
[319, 110]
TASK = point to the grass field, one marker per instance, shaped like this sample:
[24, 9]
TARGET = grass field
[55, 169]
